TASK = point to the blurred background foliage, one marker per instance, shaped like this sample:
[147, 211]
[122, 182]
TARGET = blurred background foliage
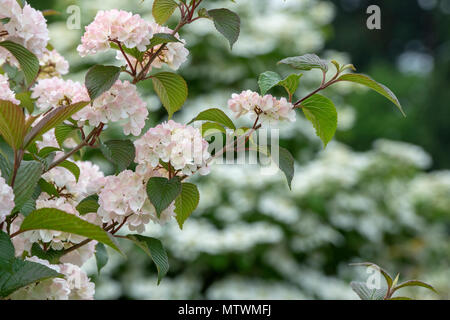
[380, 192]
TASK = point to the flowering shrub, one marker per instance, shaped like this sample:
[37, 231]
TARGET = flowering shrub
[57, 211]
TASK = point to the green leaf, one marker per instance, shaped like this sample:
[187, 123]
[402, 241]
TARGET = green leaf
[6, 160]
[134, 52]
[26, 101]
[365, 293]
[57, 220]
[227, 23]
[46, 151]
[155, 250]
[50, 255]
[119, 152]
[88, 205]
[23, 273]
[186, 202]
[385, 274]
[162, 192]
[161, 38]
[30, 205]
[210, 128]
[27, 178]
[268, 80]
[101, 256]
[52, 119]
[400, 298]
[12, 123]
[306, 62]
[291, 83]
[7, 252]
[48, 188]
[372, 84]
[100, 79]
[171, 89]
[414, 283]
[215, 115]
[320, 111]
[163, 10]
[285, 162]
[27, 60]
[72, 167]
[62, 132]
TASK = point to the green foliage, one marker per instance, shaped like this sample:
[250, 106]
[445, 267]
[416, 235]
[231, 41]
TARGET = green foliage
[27, 60]
[171, 89]
[227, 23]
[100, 79]
[27, 178]
[101, 256]
[215, 115]
[161, 38]
[119, 152]
[12, 124]
[88, 205]
[270, 79]
[72, 167]
[162, 192]
[186, 202]
[306, 62]
[50, 255]
[163, 10]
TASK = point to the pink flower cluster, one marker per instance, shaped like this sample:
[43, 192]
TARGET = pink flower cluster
[180, 145]
[131, 30]
[26, 26]
[121, 102]
[267, 107]
[5, 92]
[53, 64]
[6, 199]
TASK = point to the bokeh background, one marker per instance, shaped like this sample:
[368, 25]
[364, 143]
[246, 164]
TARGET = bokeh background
[380, 192]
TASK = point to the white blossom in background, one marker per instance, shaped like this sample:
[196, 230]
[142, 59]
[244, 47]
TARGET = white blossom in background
[267, 107]
[120, 103]
[181, 145]
[6, 199]
[129, 29]
[5, 92]
[404, 152]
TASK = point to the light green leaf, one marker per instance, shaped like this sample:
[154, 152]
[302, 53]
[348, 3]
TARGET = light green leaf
[101, 256]
[227, 23]
[163, 10]
[372, 84]
[12, 123]
[268, 80]
[306, 62]
[27, 178]
[186, 202]
[291, 83]
[27, 60]
[414, 283]
[155, 250]
[171, 89]
[215, 115]
[119, 152]
[100, 79]
[57, 220]
[162, 192]
[62, 132]
[88, 205]
[72, 167]
[323, 115]
[26, 101]
[211, 128]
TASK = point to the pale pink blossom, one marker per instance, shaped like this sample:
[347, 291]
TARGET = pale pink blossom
[131, 30]
[53, 64]
[5, 92]
[6, 199]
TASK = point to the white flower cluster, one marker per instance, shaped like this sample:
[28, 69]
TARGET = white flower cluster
[124, 197]
[129, 29]
[5, 92]
[53, 64]
[75, 285]
[6, 199]
[267, 107]
[180, 145]
[26, 26]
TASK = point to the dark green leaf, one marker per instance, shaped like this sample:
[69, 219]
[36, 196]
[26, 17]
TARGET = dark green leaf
[27, 60]
[160, 38]
[162, 192]
[27, 178]
[101, 256]
[88, 205]
[50, 255]
[100, 79]
[48, 188]
[186, 202]
[227, 23]
[119, 152]
[306, 62]
[7, 252]
[72, 167]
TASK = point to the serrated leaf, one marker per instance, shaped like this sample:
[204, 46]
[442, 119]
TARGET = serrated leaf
[52, 119]
[23, 273]
[321, 112]
[186, 202]
[27, 60]
[119, 152]
[72, 167]
[88, 205]
[372, 84]
[268, 80]
[12, 123]
[291, 83]
[100, 79]
[162, 192]
[365, 293]
[101, 256]
[161, 38]
[62, 132]
[414, 283]
[27, 178]
[227, 23]
[155, 250]
[162, 10]
[215, 115]
[306, 62]
[57, 220]
[171, 89]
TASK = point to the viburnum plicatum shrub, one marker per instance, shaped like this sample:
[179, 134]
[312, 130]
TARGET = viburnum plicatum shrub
[56, 210]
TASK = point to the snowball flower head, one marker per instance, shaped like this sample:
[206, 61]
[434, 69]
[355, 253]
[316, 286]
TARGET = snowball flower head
[267, 107]
[181, 145]
[131, 30]
[121, 102]
[6, 199]
[5, 92]
[53, 64]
